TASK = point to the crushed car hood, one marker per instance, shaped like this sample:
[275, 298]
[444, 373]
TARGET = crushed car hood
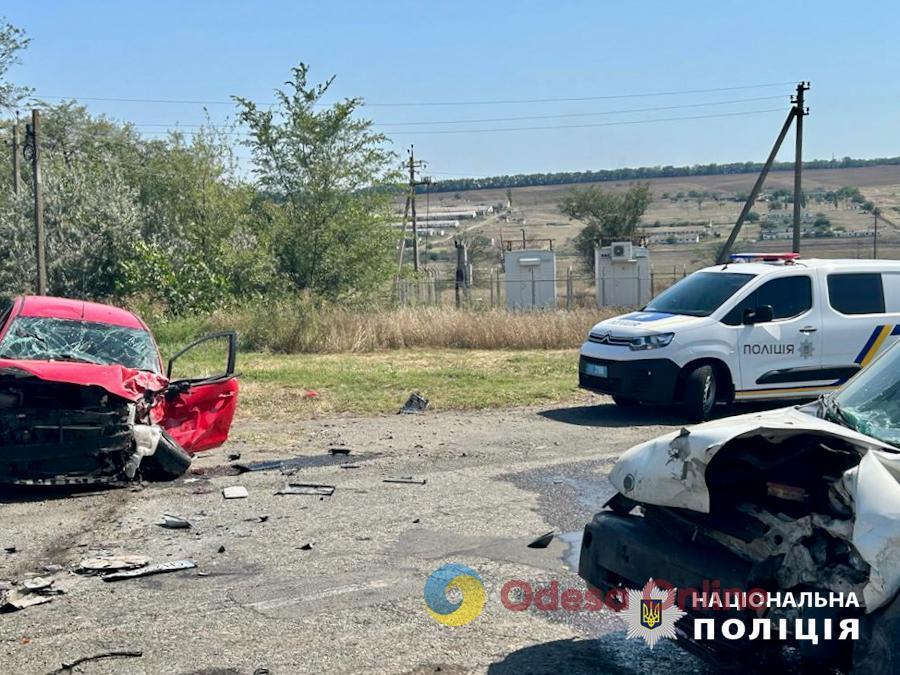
[671, 471]
[127, 383]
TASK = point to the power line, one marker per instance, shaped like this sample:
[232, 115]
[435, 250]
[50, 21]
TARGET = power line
[431, 132]
[178, 125]
[116, 99]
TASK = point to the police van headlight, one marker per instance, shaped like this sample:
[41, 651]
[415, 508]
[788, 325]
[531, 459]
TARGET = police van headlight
[650, 341]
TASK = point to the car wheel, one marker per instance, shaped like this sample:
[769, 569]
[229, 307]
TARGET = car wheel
[624, 402]
[700, 393]
[169, 462]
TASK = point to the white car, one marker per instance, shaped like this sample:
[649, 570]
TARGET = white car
[764, 326]
[800, 500]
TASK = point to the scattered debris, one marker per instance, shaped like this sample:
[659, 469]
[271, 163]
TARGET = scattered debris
[111, 563]
[408, 480]
[543, 541]
[339, 450]
[68, 667]
[349, 466]
[9, 549]
[306, 547]
[38, 583]
[256, 519]
[235, 492]
[415, 404]
[310, 394]
[21, 599]
[417, 521]
[234, 456]
[171, 522]
[222, 549]
[307, 489]
[159, 568]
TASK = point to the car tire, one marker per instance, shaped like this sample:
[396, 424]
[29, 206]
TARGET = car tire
[700, 388]
[169, 462]
[625, 402]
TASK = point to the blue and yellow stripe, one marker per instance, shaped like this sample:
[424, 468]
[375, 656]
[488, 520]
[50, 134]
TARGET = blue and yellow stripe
[875, 342]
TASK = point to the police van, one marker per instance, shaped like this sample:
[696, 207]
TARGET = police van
[761, 327]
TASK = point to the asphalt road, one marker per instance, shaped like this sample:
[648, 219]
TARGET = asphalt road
[300, 583]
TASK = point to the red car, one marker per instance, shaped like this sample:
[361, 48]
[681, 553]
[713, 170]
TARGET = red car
[84, 398]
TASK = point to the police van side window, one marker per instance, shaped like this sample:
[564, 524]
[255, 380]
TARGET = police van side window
[856, 293]
[788, 297]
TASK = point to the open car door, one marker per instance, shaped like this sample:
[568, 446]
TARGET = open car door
[202, 395]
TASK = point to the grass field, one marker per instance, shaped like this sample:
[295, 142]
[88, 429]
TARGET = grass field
[277, 387]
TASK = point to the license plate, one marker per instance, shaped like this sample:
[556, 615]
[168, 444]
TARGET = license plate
[595, 369]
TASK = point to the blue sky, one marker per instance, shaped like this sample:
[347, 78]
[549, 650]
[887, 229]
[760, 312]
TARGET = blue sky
[389, 52]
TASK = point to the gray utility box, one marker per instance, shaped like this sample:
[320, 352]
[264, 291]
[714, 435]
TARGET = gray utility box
[623, 275]
[530, 279]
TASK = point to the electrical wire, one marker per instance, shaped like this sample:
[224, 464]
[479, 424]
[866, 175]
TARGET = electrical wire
[568, 99]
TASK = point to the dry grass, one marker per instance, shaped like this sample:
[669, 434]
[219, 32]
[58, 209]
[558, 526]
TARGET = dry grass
[297, 327]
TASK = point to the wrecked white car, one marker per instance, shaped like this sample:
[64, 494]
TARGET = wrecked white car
[800, 499]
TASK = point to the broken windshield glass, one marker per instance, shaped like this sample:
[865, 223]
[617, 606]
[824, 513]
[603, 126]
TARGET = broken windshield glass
[870, 402]
[48, 339]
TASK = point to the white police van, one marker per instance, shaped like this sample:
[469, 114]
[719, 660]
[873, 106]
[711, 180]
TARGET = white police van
[761, 327]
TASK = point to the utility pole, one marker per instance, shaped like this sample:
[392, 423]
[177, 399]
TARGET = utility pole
[801, 112]
[17, 174]
[413, 165]
[875, 238]
[33, 148]
[797, 112]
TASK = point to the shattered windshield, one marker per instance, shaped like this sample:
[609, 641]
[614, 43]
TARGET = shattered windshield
[48, 339]
[870, 402]
[700, 294]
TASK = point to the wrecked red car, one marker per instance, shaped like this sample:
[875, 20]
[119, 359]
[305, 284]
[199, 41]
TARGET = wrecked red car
[84, 398]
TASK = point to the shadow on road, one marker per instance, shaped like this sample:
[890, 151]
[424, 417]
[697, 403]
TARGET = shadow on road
[611, 415]
[611, 654]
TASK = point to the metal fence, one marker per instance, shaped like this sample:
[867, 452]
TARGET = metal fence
[487, 288]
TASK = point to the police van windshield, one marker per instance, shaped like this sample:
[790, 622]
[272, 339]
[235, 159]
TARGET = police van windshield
[700, 294]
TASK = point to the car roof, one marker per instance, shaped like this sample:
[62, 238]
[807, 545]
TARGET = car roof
[828, 264]
[77, 310]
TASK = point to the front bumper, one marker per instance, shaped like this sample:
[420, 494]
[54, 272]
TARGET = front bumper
[647, 380]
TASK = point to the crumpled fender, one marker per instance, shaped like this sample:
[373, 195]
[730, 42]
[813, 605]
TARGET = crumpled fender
[127, 383]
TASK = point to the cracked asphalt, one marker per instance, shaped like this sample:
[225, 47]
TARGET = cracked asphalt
[301, 583]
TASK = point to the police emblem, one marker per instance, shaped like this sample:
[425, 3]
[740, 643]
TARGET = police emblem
[651, 613]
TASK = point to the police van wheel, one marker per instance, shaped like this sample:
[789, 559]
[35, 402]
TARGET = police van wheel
[700, 393]
[625, 402]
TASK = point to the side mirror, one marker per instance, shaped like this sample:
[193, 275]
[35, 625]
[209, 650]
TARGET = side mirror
[762, 314]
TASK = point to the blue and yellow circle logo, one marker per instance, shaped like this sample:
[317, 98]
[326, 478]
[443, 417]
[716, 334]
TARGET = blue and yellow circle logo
[467, 582]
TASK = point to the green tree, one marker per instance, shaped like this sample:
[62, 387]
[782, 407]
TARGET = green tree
[327, 173]
[752, 217]
[607, 216]
[12, 41]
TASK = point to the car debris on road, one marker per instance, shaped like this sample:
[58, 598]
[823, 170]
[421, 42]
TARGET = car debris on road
[415, 404]
[235, 492]
[405, 480]
[148, 570]
[307, 489]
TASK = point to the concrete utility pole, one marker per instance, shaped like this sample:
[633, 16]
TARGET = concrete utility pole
[17, 174]
[33, 144]
[801, 112]
[412, 165]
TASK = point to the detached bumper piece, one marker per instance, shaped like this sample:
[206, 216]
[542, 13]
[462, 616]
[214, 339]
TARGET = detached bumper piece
[647, 380]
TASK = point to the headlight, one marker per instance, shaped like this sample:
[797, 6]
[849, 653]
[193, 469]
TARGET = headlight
[650, 341]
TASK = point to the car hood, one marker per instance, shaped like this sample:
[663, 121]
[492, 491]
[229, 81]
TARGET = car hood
[636, 324]
[127, 383]
[671, 471]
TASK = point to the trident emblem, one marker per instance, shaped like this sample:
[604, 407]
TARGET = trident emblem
[651, 613]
